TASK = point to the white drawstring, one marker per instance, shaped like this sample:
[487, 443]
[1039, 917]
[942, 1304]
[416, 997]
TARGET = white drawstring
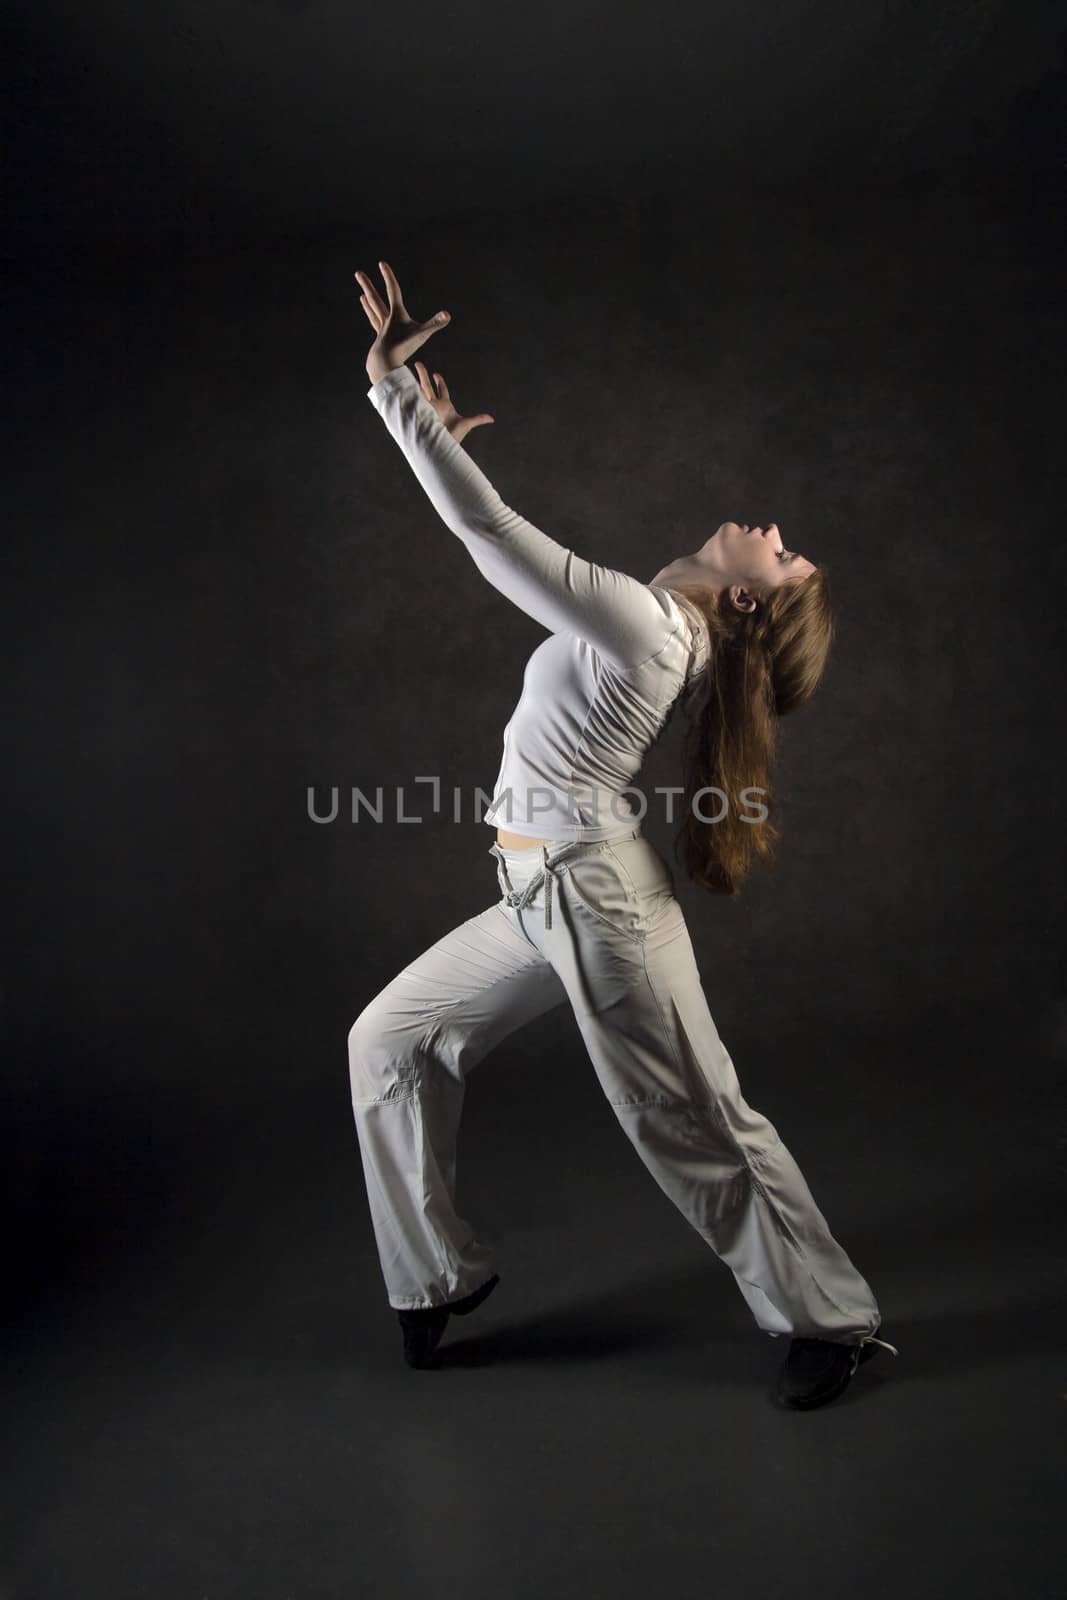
[520, 898]
[868, 1338]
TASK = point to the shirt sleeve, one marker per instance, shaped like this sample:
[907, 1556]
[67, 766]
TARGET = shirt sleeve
[624, 620]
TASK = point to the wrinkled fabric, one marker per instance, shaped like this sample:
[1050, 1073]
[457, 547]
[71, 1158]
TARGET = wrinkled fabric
[613, 943]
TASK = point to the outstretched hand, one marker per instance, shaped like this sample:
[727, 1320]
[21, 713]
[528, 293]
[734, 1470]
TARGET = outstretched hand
[398, 335]
[441, 401]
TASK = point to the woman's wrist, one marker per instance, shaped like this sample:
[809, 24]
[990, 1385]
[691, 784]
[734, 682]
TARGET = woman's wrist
[378, 367]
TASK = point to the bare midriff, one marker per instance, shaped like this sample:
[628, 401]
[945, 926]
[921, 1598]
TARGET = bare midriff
[517, 841]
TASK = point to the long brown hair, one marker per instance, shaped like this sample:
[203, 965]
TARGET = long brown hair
[762, 664]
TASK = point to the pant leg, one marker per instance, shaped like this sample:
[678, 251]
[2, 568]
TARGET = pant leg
[624, 954]
[410, 1050]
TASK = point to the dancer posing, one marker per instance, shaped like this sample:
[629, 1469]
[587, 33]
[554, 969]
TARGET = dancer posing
[737, 633]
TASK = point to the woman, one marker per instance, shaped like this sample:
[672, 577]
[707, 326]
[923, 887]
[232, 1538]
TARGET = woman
[738, 633]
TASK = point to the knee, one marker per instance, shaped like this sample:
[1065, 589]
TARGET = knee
[364, 1031]
[381, 1063]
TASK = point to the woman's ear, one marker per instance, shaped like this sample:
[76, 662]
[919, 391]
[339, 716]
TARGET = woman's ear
[740, 598]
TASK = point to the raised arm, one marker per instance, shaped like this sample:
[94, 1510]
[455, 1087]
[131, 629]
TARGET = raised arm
[624, 620]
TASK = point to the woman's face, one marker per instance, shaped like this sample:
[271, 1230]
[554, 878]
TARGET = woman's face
[747, 561]
[757, 555]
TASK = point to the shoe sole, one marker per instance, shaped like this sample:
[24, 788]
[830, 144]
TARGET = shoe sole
[471, 1302]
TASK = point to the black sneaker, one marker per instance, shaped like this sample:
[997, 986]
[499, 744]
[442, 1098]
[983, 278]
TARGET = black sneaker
[817, 1370]
[423, 1327]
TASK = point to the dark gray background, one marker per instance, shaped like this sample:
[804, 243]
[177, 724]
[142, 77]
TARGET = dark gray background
[800, 262]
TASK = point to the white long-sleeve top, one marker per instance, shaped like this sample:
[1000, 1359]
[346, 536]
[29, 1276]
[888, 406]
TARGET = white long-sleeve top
[598, 693]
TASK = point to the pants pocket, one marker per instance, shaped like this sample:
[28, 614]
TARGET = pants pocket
[649, 879]
[599, 890]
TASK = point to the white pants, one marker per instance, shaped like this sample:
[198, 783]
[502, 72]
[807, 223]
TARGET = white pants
[597, 925]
